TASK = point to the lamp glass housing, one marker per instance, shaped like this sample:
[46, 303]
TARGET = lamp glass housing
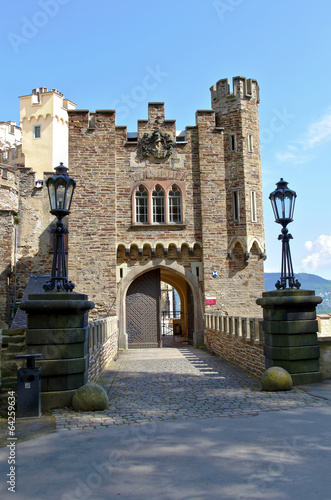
[60, 191]
[283, 201]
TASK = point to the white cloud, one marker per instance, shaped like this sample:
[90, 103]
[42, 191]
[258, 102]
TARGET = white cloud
[317, 133]
[290, 156]
[320, 253]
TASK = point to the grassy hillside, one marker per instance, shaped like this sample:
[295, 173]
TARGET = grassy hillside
[320, 285]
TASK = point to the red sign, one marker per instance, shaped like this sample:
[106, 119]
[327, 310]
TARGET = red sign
[210, 301]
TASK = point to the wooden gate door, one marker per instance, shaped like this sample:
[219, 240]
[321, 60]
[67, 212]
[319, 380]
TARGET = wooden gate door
[143, 319]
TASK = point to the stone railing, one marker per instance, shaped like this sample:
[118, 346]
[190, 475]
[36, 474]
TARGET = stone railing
[324, 325]
[324, 342]
[238, 340]
[103, 345]
[249, 329]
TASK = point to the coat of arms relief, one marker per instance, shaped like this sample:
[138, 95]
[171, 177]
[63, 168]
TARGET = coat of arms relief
[156, 146]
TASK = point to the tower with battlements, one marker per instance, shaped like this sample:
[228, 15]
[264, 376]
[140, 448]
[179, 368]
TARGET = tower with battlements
[161, 206]
[44, 121]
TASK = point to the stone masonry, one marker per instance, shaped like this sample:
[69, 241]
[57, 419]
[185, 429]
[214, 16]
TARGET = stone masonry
[210, 247]
[218, 248]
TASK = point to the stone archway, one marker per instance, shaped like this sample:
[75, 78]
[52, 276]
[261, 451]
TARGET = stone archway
[171, 271]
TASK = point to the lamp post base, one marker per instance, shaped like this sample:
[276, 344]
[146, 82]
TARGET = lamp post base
[58, 329]
[290, 328]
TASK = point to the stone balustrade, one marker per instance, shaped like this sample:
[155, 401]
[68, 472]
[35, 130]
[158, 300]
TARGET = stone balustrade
[103, 345]
[249, 329]
[240, 340]
[324, 342]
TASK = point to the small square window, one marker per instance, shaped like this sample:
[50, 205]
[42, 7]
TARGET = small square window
[37, 131]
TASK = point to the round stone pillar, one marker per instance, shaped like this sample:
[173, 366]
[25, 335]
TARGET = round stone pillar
[57, 327]
[290, 333]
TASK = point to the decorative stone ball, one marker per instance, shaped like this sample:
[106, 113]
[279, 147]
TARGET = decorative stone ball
[90, 397]
[276, 379]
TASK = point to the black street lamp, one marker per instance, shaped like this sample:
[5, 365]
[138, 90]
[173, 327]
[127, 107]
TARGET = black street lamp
[60, 191]
[283, 201]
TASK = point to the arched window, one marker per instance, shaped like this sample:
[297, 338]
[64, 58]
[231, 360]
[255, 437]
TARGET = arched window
[175, 214]
[158, 205]
[141, 205]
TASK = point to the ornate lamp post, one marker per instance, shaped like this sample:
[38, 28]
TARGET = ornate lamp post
[60, 191]
[283, 201]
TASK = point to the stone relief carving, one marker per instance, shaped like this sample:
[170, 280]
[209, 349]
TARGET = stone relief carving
[157, 146]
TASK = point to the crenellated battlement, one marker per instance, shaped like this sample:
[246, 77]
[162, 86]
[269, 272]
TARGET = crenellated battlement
[242, 88]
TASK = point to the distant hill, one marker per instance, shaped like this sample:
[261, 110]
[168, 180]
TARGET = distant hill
[320, 285]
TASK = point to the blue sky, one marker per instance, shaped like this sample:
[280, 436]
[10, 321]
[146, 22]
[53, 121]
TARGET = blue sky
[105, 54]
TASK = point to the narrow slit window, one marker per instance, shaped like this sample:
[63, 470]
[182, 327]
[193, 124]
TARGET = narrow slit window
[253, 206]
[158, 205]
[233, 142]
[235, 205]
[141, 205]
[250, 143]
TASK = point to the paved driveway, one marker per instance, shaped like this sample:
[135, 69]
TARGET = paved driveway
[148, 385]
[181, 425]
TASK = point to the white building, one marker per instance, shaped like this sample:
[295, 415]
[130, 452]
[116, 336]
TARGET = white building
[10, 135]
[44, 120]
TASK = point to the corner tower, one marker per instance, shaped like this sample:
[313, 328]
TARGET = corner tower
[231, 198]
[237, 113]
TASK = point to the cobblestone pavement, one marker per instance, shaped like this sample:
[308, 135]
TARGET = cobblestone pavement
[149, 385]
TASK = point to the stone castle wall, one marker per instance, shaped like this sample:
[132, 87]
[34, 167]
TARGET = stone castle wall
[105, 243]
[107, 168]
[9, 196]
[25, 246]
[34, 255]
[92, 238]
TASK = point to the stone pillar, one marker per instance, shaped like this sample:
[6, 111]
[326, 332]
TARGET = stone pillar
[58, 329]
[290, 333]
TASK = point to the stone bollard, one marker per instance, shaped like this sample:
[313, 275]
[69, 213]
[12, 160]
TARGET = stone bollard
[58, 329]
[290, 333]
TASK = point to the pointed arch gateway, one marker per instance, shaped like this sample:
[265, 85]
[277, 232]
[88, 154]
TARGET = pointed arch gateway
[139, 305]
